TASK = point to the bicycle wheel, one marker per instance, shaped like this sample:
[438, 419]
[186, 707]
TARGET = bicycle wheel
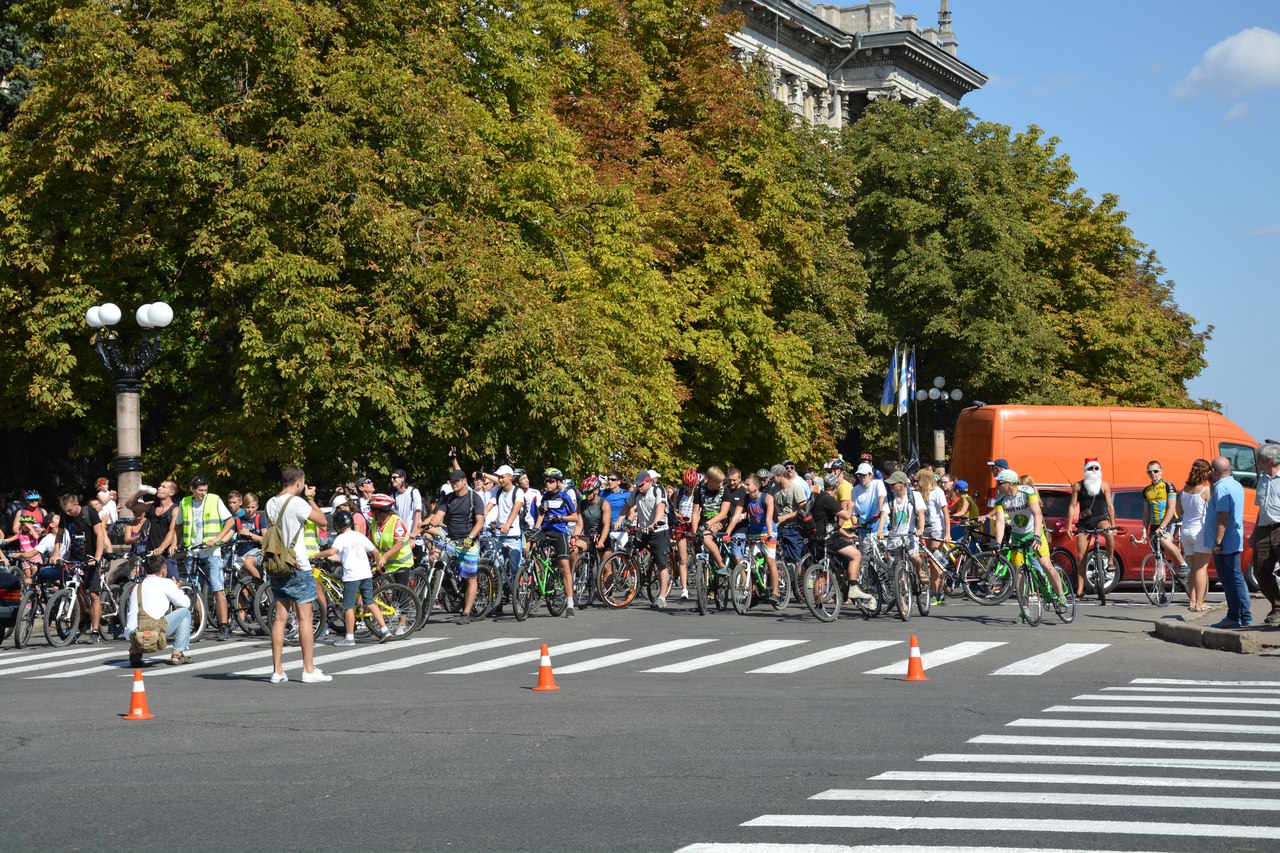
[617, 585]
[902, 588]
[1156, 578]
[1095, 574]
[785, 585]
[264, 607]
[1030, 604]
[870, 583]
[62, 618]
[821, 592]
[243, 612]
[399, 606]
[720, 589]
[740, 587]
[199, 612]
[1065, 562]
[1067, 612]
[28, 611]
[488, 591]
[924, 599]
[555, 598]
[584, 580]
[523, 594]
[994, 584]
[699, 580]
[651, 579]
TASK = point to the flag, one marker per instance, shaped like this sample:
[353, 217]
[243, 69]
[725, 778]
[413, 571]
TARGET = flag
[904, 385]
[890, 384]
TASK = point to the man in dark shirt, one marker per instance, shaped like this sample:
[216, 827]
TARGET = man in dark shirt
[461, 512]
[735, 495]
[711, 510]
[88, 537]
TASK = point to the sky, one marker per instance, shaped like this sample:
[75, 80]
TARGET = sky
[1174, 107]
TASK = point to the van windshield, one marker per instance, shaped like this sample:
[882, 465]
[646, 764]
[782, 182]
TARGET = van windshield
[1244, 463]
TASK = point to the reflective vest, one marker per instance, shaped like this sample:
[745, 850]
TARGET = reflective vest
[212, 522]
[384, 539]
[311, 538]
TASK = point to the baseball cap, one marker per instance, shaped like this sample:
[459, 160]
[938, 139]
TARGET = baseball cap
[1007, 476]
[898, 477]
[456, 475]
[362, 481]
[865, 468]
[643, 477]
[788, 463]
[505, 469]
[778, 471]
[654, 475]
[999, 463]
[962, 485]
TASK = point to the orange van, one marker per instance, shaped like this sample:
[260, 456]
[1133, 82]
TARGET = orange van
[1051, 443]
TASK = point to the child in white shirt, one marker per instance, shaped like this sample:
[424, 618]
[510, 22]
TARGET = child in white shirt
[353, 549]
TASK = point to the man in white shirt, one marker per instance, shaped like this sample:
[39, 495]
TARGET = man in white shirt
[506, 506]
[161, 598]
[408, 502]
[292, 511]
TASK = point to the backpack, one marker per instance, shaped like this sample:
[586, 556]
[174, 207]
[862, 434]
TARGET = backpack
[150, 633]
[808, 527]
[278, 557]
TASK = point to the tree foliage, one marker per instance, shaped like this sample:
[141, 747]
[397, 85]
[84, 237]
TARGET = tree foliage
[560, 233]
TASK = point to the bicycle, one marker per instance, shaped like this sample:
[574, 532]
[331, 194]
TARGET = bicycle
[1034, 588]
[619, 578]
[907, 587]
[539, 579]
[707, 586]
[446, 588]
[988, 580]
[1160, 580]
[67, 613]
[749, 583]
[586, 568]
[398, 604]
[1099, 574]
[33, 602]
[193, 579]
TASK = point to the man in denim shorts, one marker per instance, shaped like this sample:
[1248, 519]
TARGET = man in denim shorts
[292, 509]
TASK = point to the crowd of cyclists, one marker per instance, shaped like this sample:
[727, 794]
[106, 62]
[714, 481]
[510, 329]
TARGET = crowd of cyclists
[874, 538]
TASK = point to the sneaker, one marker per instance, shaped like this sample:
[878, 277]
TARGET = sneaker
[684, 594]
[465, 620]
[856, 594]
[661, 602]
[384, 634]
[1272, 618]
[224, 633]
[90, 638]
[1059, 607]
[775, 599]
[345, 641]
[316, 676]
[722, 572]
[279, 678]
[324, 632]
[568, 613]
[1226, 623]
[939, 600]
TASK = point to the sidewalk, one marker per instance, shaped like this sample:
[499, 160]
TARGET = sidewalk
[1192, 629]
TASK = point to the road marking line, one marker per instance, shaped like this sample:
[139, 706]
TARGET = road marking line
[1111, 761]
[749, 650]
[1072, 779]
[30, 654]
[1192, 690]
[1022, 825]
[526, 657]
[1158, 700]
[768, 847]
[1173, 725]
[363, 650]
[1128, 742]
[414, 660]
[1213, 683]
[936, 658]
[1040, 664]
[200, 663]
[124, 664]
[827, 656]
[1042, 798]
[1170, 726]
[628, 656]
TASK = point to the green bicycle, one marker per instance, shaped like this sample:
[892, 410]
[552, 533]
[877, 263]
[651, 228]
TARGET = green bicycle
[1033, 587]
[539, 579]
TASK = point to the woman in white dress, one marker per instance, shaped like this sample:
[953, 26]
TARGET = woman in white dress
[1192, 503]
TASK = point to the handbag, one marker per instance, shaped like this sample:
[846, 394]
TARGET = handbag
[150, 633]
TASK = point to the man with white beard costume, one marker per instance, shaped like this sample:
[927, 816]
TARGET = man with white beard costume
[1091, 509]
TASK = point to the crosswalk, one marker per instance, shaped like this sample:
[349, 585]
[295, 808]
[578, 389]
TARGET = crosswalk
[1160, 788]
[453, 655]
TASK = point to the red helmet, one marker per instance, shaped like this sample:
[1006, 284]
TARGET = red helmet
[591, 483]
[691, 477]
[381, 501]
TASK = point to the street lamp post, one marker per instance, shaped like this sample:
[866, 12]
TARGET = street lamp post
[939, 395]
[127, 375]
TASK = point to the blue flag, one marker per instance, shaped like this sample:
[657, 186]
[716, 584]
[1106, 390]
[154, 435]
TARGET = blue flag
[890, 384]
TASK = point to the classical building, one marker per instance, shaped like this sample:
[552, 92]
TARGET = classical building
[828, 62]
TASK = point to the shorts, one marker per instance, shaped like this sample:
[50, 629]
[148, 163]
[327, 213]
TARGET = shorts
[1091, 523]
[212, 568]
[558, 541]
[299, 587]
[618, 539]
[468, 558]
[351, 590]
[93, 579]
[659, 543]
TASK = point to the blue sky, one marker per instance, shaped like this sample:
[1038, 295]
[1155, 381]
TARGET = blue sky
[1174, 107]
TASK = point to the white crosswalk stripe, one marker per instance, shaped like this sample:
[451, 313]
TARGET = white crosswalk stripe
[528, 657]
[1148, 726]
[1164, 763]
[827, 656]
[1022, 825]
[1052, 659]
[938, 657]
[1161, 700]
[1150, 710]
[431, 657]
[1046, 798]
[770, 847]
[322, 659]
[629, 656]
[726, 657]
[1101, 781]
[123, 661]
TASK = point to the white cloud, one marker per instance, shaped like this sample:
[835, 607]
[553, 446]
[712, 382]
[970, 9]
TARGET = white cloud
[1267, 231]
[1248, 61]
[1239, 111]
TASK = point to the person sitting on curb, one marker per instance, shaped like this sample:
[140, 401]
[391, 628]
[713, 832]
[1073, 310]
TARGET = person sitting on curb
[158, 594]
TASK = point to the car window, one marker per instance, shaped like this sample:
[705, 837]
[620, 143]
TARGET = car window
[1244, 463]
[1128, 504]
[1055, 504]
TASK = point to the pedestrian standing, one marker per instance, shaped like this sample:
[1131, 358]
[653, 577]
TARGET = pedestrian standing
[1224, 533]
[1193, 501]
[292, 510]
[1266, 535]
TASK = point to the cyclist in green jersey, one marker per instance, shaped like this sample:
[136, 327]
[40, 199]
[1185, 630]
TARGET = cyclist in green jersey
[1018, 506]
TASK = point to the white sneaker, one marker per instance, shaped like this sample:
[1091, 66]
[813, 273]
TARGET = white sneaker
[384, 634]
[279, 678]
[316, 676]
[684, 594]
[661, 602]
[345, 641]
[856, 593]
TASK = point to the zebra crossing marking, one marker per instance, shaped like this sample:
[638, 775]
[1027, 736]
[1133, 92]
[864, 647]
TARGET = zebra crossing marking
[938, 657]
[343, 655]
[826, 656]
[628, 656]
[429, 657]
[1052, 659]
[1099, 780]
[1022, 825]
[1108, 761]
[527, 657]
[1047, 798]
[750, 650]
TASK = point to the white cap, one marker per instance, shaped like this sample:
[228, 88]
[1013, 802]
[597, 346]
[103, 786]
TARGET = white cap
[505, 469]
[865, 468]
[654, 475]
[339, 500]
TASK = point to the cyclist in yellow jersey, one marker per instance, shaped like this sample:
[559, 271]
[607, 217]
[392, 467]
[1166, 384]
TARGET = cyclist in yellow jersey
[1159, 512]
[1018, 506]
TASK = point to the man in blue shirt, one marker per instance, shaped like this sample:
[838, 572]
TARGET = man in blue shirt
[556, 510]
[1224, 534]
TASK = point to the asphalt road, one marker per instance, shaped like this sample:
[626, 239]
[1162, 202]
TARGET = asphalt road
[395, 754]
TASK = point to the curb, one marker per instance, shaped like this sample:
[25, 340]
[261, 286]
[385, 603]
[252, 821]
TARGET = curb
[1244, 642]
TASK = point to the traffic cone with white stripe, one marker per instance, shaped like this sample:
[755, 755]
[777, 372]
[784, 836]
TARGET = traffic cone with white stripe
[915, 666]
[138, 700]
[546, 678]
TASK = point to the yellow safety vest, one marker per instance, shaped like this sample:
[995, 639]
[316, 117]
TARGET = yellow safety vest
[384, 539]
[311, 538]
[212, 523]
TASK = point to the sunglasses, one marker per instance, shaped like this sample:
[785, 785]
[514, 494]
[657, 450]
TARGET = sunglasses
[1153, 470]
[1093, 468]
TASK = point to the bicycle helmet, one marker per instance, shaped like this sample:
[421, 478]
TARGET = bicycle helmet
[381, 501]
[31, 495]
[553, 474]
[343, 519]
[691, 477]
[836, 464]
[831, 481]
[591, 484]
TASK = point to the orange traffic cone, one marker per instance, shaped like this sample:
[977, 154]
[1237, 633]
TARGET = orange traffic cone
[546, 678]
[138, 701]
[915, 666]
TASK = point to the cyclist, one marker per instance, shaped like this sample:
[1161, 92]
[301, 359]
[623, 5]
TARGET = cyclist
[390, 537]
[937, 526]
[408, 502]
[1091, 509]
[903, 515]
[596, 515]
[203, 523]
[556, 511]
[1018, 506]
[353, 550]
[961, 506]
[648, 510]
[460, 516]
[680, 507]
[33, 515]
[87, 537]
[788, 504]
[616, 496]
[735, 496]
[1159, 513]
[711, 514]
[828, 516]
[249, 529]
[758, 506]
[507, 505]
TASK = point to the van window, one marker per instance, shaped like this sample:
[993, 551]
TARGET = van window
[1128, 504]
[1244, 463]
[1054, 503]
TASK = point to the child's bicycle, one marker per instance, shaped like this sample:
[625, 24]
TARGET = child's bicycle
[539, 579]
[398, 605]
